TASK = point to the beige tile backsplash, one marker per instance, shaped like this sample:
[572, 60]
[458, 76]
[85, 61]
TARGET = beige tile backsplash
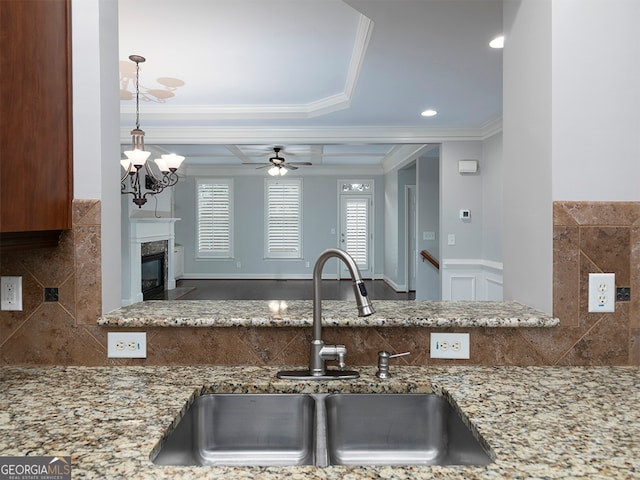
[588, 237]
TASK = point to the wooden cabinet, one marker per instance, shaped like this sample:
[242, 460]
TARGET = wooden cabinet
[36, 166]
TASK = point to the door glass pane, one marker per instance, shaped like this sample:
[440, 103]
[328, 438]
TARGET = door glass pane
[356, 234]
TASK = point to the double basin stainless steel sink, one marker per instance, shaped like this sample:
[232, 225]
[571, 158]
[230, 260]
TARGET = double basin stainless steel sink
[322, 429]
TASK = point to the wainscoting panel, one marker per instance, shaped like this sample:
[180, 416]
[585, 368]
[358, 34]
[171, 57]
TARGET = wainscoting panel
[471, 279]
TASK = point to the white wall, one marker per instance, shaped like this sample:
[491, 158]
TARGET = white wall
[96, 117]
[527, 241]
[596, 100]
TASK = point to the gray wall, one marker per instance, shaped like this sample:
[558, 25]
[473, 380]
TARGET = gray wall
[492, 178]
[428, 206]
[406, 176]
[320, 216]
[391, 228]
[461, 191]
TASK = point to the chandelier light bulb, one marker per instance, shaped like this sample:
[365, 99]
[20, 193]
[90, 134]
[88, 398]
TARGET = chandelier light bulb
[173, 161]
[162, 165]
[137, 157]
[126, 164]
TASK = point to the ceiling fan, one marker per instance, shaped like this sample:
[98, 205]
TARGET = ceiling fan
[278, 165]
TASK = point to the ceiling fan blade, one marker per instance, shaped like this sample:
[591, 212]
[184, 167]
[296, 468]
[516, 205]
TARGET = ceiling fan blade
[288, 166]
[264, 166]
[299, 163]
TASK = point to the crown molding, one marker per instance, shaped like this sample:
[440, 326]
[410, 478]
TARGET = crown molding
[403, 156]
[268, 135]
[491, 128]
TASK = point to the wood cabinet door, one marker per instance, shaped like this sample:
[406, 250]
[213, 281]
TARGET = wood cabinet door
[36, 166]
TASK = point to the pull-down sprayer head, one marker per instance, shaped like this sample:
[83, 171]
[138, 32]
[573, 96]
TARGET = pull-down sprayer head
[362, 299]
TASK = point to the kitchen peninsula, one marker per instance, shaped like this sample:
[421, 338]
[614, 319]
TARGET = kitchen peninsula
[335, 313]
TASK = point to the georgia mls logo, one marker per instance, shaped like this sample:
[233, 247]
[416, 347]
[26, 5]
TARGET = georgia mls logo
[35, 468]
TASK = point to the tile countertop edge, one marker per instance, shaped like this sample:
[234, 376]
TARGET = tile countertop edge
[336, 313]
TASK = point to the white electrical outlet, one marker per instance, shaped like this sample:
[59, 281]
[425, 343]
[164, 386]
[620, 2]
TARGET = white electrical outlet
[11, 288]
[602, 292]
[450, 345]
[127, 344]
[451, 239]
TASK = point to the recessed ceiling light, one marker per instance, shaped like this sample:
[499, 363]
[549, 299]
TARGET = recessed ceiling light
[497, 42]
[429, 113]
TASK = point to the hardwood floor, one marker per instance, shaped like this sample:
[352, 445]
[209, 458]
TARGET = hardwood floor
[278, 290]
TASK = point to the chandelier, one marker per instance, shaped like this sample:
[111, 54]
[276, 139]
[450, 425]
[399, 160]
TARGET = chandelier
[136, 160]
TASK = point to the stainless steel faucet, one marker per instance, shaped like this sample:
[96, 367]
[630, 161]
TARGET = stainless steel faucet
[320, 352]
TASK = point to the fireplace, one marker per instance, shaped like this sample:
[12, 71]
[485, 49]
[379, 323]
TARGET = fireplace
[147, 236]
[153, 274]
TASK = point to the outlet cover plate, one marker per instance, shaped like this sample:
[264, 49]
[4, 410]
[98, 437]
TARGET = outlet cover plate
[602, 292]
[450, 345]
[127, 344]
[11, 293]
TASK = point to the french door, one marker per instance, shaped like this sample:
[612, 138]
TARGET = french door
[355, 232]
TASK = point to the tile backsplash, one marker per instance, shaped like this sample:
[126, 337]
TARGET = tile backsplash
[588, 237]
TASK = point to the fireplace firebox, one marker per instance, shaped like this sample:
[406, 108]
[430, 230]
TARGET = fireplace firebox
[152, 275]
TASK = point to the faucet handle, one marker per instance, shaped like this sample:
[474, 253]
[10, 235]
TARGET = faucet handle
[341, 360]
[333, 352]
[383, 363]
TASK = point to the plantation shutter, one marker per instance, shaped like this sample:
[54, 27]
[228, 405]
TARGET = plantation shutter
[214, 219]
[357, 230]
[284, 219]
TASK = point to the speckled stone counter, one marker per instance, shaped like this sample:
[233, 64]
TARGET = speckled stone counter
[336, 313]
[540, 422]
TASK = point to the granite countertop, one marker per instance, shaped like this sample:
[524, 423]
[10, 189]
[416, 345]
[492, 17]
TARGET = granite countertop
[540, 422]
[336, 313]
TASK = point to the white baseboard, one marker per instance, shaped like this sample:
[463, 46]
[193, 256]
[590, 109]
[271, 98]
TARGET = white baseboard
[397, 287]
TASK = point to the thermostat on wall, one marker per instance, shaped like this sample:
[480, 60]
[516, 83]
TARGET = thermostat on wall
[465, 214]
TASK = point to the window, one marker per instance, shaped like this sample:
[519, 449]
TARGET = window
[214, 210]
[283, 225]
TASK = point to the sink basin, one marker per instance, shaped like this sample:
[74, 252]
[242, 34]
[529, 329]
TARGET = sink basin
[243, 429]
[398, 429]
[321, 429]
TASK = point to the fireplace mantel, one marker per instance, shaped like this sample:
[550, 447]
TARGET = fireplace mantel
[143, 230]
